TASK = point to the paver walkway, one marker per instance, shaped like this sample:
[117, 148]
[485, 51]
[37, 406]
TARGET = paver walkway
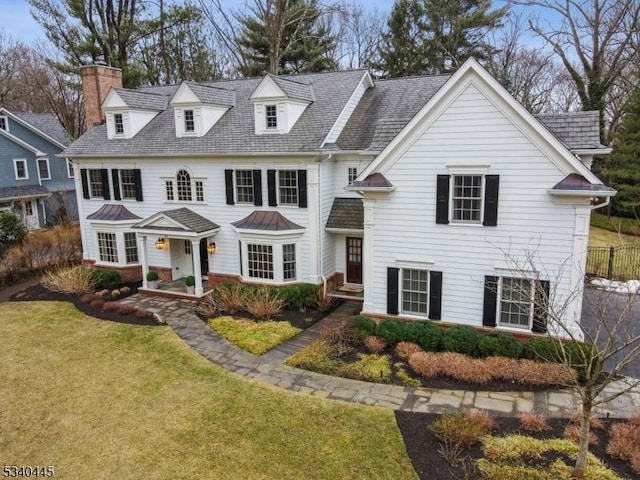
[269, 368]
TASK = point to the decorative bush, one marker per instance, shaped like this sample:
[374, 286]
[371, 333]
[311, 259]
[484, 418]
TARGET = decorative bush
[594, 423]
[115, 293]
[404, 350]
[298, 297]
[572, 433]
[317, 357]
[461, 339]
[97, 304]
[89, 297]
[144, 314]
[425, 364]
[368, 368]
[465, 369]
[375, 344]
[536, 373]
[532, 422]
[392, 330]
[624, 443]
[107, 279]
[264, 303]
[190, 281]
[76, 280]
[208, 306]
[126, 309]
[230, 297]
[152, 276]
[125, 290]
[541, 349]
[102, 293]
[499, 344]
[323, 302]
[461, 430]
[110, 306]
[426, 334]
[364, 323]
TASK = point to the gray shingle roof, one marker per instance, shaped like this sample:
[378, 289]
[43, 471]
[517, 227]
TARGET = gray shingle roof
[346, 213]
[385, 110]
[577, 130]
[10, 193]
[48, 124]
[235, 131]
[143, 100]
[574, 181]
[210, 95]
[189, 220]
[294, 89]
[266, 220]
[113, 213]
[375, 180]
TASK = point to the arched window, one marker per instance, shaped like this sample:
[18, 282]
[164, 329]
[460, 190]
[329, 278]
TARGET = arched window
[183, 182]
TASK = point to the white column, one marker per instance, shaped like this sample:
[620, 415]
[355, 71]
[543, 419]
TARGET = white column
[142, 248]
[197, 268]
[367, 254]
[578, 265]
[313, 206]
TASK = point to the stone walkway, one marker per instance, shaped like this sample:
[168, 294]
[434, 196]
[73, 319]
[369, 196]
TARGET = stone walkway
[269, 368]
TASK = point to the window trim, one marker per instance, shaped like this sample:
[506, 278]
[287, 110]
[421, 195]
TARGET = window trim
[236, 186]
[273, 117]
[99, 248]
[70, 171]
[46, 159]
[119, 229]
[6, 123]
[91, 195]
[401, 291]
[193, 188]
[26, 168]
[276, 242]
[452, 187]
[127, 248]
[531, 302]
[116, 133]
[296, 188]
[185, 122]
[121, 185]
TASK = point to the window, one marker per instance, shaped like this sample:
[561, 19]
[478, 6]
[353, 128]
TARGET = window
[289, 261]
[271, 116]
[467, 198]
[183, 181]
[118, 123]
[415, 291]
[189, 122]
[516, 302]
[199, 191]
[107, 247]
[95, 183]
[187, 247]
[260, 258]
[184, 188]
[131, 247]
[288, 183]
[244, 186]
[169, 189]
[28, 208]
[127, 184]
[352, 174]
[4, 123]
[70, 169]
[20, 166]
[43, 169]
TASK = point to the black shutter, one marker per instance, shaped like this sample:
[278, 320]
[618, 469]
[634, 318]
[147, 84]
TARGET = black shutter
[257, 188]
[228, 183]
[435, 295]
[442, 199]
[85, 183]
[271, 188]
[392, 290]
[490, 301]
[541, 306]
[137, 178]
[492, 183]
[115, 176]
[105, 184]
[240, 250]
[302, 188]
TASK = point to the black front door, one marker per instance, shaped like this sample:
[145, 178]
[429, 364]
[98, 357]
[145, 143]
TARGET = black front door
[354, 260]
[204, 257]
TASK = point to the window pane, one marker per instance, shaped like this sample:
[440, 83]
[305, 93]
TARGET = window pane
[127, 184]
[43, 168]
[95, 183]
[260, 259]
[467, 198]
[516, 302]
[415, 289]
[131, 247]
[199, 191]
[271, 116]
[288, 182]
[352, 174]
[169, 189]
[289, 262]
[183, 181]
[244, 186]
[119, 123]
[107, 247]
[21, 169]
[189, 123]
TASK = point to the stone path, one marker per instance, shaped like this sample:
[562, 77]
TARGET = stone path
[269, 368]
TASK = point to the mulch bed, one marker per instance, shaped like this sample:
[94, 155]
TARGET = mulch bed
[422, 445]
[39, 293]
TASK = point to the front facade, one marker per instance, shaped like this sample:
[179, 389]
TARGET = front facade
[34, 181]
[436, 197]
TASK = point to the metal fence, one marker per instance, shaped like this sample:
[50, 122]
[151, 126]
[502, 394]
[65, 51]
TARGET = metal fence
[614, 263]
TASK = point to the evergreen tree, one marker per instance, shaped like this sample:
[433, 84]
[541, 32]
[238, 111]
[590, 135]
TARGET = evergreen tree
[401, 50]
[623, 167]
[285, 36]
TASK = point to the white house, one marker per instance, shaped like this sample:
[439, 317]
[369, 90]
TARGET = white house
[431, 193]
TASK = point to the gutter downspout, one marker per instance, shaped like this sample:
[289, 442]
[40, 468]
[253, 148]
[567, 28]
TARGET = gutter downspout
[320, 248]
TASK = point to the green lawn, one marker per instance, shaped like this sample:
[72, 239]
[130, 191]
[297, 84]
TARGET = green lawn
[599, 237]
[103, 400]
[254, 337]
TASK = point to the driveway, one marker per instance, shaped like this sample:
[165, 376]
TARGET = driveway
[612, 305]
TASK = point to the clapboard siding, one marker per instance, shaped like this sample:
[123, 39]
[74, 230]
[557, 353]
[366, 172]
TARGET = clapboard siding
[327, 182]
[471, 132]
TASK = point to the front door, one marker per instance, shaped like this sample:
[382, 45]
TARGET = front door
[204, 257]
[354, 260]
[181, 258]
[29, 213]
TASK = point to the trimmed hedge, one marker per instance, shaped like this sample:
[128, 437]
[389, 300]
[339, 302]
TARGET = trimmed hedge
[462, 339]
[426, 334]
[540, 349]
[365, 324]
[499, 344]
[107, 279]
[392, 330]
[299, 296]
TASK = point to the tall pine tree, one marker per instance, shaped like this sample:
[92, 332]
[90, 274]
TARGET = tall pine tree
[623, 167]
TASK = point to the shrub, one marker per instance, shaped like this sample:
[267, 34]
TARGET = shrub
[464, 369]
[624, 441]
[152, 276]
[541, 349]
[364, 323]
[254, 337]
[503, 368]
[403, 377]
[426, 334]
[594, 423]
[482, 418]
[125, 290]
[375, 344]
[76, 280]
[115, 293]
[97, 304]
[298, 297]
[102, 293]
[264, 303]
[425, 364]
[368, 368]
[316, 357]
[12, 229]
[208, 306]
[144, 314]
[126, 309]
[323, 302]
[461, 339]
[107, 279]
[404, 350]
[572, 433]
[230, 297]
[110, 306]
[536, 373]
[500, 345]
[460, 430]
[340, 336]
[392, 330]
[532, 422]
[190, 281]
[89, 297]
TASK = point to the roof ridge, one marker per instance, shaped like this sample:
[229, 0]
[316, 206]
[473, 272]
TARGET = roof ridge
[137, 90]
[412, 77]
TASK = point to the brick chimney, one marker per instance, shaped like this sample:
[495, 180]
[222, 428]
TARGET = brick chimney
[97, 80]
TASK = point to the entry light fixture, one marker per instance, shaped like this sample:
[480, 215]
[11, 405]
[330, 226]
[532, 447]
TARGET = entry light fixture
[211, 248]
[161, 244]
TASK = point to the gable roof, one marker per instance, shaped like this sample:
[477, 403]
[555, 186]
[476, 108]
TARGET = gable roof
[577, 130]
[142, 100]
[22, 143]
[347, 214]
[46, 125]
[177, 220]
[266, 220]
[293, 89]
[210, 95]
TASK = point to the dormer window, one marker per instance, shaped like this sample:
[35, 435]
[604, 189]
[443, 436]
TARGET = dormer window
[271, 116]
[189, 122]
[118, 123]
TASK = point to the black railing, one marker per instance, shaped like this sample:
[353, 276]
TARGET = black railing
[614, 263]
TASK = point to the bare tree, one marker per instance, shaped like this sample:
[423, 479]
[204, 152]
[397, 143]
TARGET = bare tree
[359, 31]
[594, 39]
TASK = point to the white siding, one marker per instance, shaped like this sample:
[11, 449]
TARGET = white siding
[327, 175]
[471, 132]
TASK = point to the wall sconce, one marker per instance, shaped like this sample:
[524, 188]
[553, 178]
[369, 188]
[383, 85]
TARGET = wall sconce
[160, 244]
[211, 248]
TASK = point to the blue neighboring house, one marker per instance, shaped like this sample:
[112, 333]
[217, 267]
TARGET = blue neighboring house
[34, 181]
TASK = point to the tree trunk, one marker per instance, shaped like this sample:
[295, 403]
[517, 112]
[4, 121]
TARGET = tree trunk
[585, 430]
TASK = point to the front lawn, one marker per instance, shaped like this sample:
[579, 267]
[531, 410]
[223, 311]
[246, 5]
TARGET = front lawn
[97, 399]
[254, 337]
